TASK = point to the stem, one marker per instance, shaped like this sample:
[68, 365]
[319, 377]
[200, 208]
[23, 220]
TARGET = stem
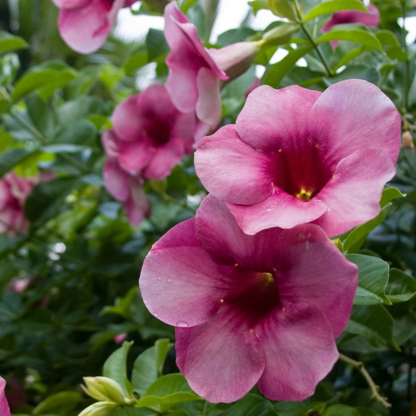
[374, 388]
[204, 409]
[312, 41]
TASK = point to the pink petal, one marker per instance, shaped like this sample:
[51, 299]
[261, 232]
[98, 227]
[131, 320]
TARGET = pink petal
[186, 127]
[183, 88]
[155, 102]
[353, 194]
[278, 210]
[233, 171]
[315, 272]
[300, 351]
[116, 180]
[71, 4]
[208, 107]
[220, 235]
[4, 406]
[137, 205]
[110, 142]
[127, 121]
[221, 359]
[275, 120]
[180, 283]
[164, 159]
[135, 156]
[352, 115]
[86, 29]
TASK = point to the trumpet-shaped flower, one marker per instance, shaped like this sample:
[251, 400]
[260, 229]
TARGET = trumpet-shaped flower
[153, 134]
[124, 187]
[4, 406]
[195, 73]
[85, 24]
[260, 309]
[296, 156]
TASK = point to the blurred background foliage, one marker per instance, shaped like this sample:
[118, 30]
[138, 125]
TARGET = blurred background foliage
[83, 259]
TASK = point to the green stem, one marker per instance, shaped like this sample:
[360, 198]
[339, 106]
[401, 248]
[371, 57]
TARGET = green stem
[204, 409]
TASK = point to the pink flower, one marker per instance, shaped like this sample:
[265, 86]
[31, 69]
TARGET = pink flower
[18, 285]
[153, 135]
[260, 309]
[195, 74]
[123, 186]
[297, 156]
[85, 24]
[13, 193]
[253, 86]
[118, 339]
[371, 19]
[4, 406]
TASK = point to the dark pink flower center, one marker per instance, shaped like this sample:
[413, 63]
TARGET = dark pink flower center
[159, 131]
[301, 172]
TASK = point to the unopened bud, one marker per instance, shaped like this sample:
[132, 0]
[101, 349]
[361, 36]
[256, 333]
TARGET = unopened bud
[283, 8]
[407, 141]
[99, 409]
[280, 34]
[104, 389]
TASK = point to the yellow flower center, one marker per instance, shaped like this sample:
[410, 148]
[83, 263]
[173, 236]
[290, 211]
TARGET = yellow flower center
[304, 195]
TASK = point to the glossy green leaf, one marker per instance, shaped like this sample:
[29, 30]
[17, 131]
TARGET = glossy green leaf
[136, 61]
[148, 365]
[10, 43]
[59, 403]
[11, 158]
[133, 411]
[373, 278]
[375, 324]
[350, 56]
[41, 78]
[115, 367]
[259, 5]
[341, 410]
[390, 194]
[251, 405]
[386, 37]
[168, 391]
[401, 287]
[277, 72]
[362, 37]
[332, 6]
[280, 34]
[283, 8]
[156, 44]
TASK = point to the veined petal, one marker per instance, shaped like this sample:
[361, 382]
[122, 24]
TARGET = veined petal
[135, 156]
[116, 180]
[183, 88]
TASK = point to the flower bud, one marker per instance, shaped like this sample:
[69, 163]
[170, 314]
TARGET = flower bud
[280, 34]
[407, 141]
[104, 389]
[99, 409]
[283, 8]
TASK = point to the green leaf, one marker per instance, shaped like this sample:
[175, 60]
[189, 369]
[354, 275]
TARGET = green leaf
[132, 411]
[375, 324]
[60, 403]
[341, 410]
[362, 37]
[46, 198]
[39, 79]
[351, 55]
[156, 44]
[11, 158]
[401, 287]
[389, 194]
[372, 281]
[365, 411]
[168, 391]
[259, 5]
[277, 72]
[186, 5]
[387, 38]
[9, 42]
[251, 405]
[135, 62]
[332, 6]
[148, 365]
[280, 34]
[115, 368]
[283, 8]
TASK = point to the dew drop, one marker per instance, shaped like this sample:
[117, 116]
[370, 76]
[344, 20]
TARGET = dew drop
[156, 314]
[182, 324]
[159, 278]
[169, 280]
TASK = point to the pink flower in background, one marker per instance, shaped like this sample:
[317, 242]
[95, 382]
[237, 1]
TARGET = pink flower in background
[195, 74]
[18, 285]
[85, 24]
[296, 156]
[118, 339]
[124, 187]
[13, 193]
[260, 309]
[152, 134]
[4, 406]
[371, 19]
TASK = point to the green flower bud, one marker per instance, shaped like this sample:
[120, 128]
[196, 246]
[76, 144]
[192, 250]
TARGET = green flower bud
[283, 8]
[104, 389]
[99, 409]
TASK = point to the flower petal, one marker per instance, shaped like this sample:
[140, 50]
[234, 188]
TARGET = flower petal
[220, 235]
[164, 159]
[135, 156]
[183, 88]
[126, 118]
[116, 180]
[221, 359]
[180, 283]
[272, 120]
[208, 107]
[313, 271]
[300, 351]
[155, 102]
[232, 170]
[352, 115]
[4, 406]
[71, 4]
[278, 210]
[353, 194]
[186, 128]
[137, 205]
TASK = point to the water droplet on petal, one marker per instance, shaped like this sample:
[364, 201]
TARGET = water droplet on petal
[182, 324]
[159, 278]
[169, 280]
[156, 314]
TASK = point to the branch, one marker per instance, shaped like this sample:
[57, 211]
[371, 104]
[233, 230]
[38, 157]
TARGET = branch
[374, 388]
